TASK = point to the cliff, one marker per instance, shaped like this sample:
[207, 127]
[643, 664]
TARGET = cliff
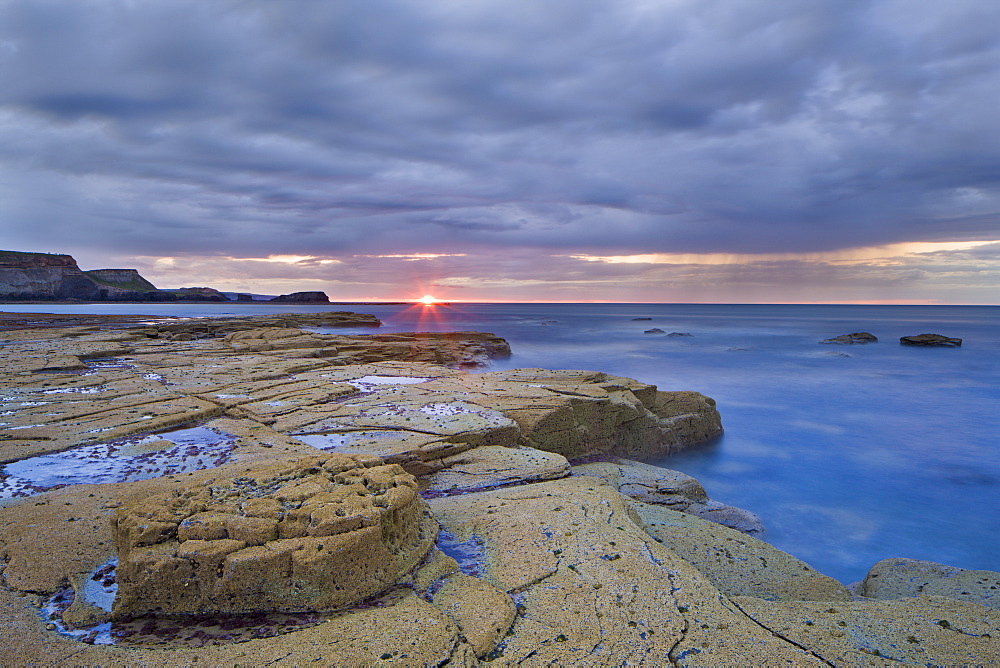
[121, 279]
[121, 284]
[44, 276]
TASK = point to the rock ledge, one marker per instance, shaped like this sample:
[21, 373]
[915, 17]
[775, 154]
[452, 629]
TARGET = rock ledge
[319, 533]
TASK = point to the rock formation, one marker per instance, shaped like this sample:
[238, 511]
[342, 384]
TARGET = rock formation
[906, 578]
[264, 468]
[854, 338]
[203, 328]
[44, 276]
[198, 295]
[121, 283]
[315, 297]
[319, 533]
[930, 340]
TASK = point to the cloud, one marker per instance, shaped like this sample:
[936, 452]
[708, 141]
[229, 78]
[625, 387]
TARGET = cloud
[254, 129]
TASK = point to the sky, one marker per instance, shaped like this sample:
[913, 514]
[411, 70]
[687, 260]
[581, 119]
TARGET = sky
[814, 151]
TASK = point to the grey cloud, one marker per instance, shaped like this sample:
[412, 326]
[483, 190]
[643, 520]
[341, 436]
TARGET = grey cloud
[249, 128]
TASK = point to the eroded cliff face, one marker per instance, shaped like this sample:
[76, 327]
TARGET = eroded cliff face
[42, 276]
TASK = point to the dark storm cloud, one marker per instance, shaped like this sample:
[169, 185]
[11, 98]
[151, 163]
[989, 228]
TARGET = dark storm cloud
[252, 128]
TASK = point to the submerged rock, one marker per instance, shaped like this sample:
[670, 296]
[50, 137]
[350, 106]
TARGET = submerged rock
[930, 340]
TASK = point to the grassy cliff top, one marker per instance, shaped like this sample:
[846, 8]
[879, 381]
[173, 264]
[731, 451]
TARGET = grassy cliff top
[21, 256]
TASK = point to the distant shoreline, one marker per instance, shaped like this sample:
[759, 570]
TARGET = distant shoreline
[20, 302]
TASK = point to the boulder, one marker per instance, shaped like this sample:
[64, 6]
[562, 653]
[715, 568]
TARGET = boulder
[930, 340]
[855, 338]
[319, 533]
[901, 578]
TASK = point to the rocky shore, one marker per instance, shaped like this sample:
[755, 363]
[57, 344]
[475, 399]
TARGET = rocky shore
[246, 491]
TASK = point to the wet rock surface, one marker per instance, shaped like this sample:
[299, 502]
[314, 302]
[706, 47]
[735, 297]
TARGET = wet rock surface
[855, 338]
[930, 341]
[231, 454]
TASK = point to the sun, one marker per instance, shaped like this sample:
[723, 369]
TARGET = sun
[428, 300]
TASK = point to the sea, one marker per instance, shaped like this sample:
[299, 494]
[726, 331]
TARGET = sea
[849, 453]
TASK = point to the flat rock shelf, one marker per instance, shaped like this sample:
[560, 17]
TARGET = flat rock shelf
[256, 492]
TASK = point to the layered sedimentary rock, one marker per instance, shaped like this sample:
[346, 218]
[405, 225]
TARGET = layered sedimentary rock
[656, 486]
[43, 276]
[466, 349]
[318, 533]
[201, 328]
[539, 562]
[121, 283]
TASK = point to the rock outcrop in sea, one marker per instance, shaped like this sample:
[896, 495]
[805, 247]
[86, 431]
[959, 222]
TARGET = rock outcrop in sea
[855, 338]
[930, 341]
[281, 496]
[314, 297]
[200, 294]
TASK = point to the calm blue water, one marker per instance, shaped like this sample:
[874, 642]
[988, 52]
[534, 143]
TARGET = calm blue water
[889, 451]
